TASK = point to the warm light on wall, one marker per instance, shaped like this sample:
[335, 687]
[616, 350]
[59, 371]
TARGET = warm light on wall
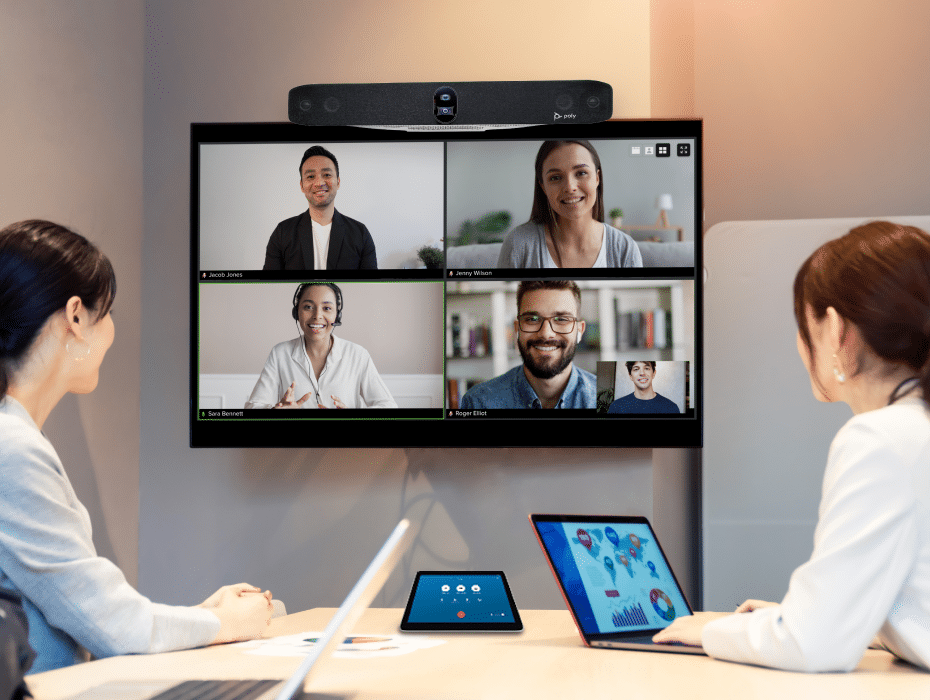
[484, 40]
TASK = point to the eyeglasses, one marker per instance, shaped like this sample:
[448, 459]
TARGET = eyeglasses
[531, 323]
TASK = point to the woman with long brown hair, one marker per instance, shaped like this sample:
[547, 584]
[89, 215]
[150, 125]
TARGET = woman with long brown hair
[566, 227]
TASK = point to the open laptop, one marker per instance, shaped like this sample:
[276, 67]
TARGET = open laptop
[615, 579]
[339, 626]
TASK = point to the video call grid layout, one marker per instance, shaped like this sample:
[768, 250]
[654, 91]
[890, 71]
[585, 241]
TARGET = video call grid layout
[688, 411]
[297, 136]
[446, 274]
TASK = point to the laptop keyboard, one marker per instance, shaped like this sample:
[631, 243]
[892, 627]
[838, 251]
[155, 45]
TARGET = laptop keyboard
[216, 690]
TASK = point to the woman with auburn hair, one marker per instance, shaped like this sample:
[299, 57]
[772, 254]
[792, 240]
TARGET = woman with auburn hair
[566, 227]
[56, 291]
[862, 305]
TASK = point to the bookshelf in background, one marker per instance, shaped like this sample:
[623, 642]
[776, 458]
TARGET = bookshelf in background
[626, 319]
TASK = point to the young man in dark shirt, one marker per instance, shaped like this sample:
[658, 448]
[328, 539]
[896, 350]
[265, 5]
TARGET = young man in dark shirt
[644, 398]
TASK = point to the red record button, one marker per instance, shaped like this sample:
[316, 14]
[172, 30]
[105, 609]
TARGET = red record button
[461, 614]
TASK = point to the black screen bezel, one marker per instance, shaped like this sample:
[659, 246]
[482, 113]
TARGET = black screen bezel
[407, 626]
[590, 430]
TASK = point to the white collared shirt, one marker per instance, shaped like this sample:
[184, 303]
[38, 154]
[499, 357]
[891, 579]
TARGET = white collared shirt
[349, 374]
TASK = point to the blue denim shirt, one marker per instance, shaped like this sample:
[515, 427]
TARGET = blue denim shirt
[512, 390]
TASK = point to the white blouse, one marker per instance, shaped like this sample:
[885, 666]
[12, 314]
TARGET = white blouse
[349, 373]
[869, 572]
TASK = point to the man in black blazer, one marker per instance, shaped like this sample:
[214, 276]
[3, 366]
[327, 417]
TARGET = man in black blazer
[321, 233]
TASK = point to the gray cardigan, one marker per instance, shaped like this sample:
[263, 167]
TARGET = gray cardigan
[525, 246]
[73, 598]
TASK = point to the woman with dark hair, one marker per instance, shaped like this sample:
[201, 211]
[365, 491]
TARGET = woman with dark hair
[56, 290]
[317, 369]
[862, 305]
[566, 227]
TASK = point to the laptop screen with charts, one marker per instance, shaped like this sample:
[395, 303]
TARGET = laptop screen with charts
[339, 626]
[615, 579]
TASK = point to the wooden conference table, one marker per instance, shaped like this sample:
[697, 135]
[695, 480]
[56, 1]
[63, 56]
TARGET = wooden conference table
[546, 660]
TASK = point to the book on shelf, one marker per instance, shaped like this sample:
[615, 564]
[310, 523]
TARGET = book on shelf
[466, 336]
[454, 335]
[661, 328]
[479, 340]
[452, 389]
[456, 388]
[643, 330]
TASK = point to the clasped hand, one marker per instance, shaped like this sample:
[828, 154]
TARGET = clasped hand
[244, 612]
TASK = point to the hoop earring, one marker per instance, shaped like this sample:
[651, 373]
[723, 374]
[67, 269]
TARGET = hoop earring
[78, 350]
[840, 376]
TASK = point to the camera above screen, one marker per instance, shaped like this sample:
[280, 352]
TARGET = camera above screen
[474, 105]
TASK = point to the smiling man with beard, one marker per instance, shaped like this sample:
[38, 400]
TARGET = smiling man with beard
[321, 238]
[548, 328]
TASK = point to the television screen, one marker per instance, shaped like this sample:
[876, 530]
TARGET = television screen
[512, 287]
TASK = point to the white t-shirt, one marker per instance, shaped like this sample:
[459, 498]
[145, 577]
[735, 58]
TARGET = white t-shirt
[320, 243]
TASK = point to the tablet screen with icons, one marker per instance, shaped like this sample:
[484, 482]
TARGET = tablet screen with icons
[461, 600]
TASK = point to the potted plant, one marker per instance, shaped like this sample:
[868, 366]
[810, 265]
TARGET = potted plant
[616, 217]
[490, 228]
[431, 256]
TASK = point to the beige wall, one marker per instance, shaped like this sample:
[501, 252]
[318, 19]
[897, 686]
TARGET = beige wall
[98, 98]
[305, 522]
[813, 109]
[71, 139]
[671, 58]
[810, 109]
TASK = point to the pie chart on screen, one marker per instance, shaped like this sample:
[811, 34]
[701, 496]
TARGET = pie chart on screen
[662, 604]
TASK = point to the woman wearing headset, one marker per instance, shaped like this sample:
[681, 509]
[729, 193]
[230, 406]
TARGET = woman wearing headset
[318, 369]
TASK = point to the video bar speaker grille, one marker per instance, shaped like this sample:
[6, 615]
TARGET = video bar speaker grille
[451, 105]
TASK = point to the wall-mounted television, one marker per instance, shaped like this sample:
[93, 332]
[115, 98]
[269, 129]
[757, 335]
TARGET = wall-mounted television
[353, 286]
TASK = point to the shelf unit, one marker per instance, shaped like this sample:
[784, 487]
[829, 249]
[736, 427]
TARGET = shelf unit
[492, 305]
